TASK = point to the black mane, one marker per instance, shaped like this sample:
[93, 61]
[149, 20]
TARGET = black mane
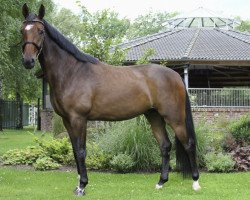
[64, 43]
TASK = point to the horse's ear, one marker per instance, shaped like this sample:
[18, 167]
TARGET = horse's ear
[41, 12]
[25, 10]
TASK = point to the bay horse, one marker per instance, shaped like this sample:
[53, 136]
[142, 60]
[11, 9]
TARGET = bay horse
[82, 88]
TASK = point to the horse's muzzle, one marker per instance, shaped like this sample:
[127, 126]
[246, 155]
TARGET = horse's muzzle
[29, 63]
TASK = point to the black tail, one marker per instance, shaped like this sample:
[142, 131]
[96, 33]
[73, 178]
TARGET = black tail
[182, 160]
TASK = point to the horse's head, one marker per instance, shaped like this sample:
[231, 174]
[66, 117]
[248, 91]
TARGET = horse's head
[33, 33]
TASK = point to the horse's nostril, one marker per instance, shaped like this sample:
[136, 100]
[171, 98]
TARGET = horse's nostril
[32, 61]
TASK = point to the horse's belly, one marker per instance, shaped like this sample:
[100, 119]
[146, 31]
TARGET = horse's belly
[113, 116]
[120, 107]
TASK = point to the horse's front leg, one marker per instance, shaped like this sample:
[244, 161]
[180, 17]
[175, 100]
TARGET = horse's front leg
[77, 132]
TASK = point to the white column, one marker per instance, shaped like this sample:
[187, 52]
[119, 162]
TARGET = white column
[186, 76]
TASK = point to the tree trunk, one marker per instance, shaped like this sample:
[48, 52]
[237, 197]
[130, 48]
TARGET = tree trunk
[1, 104]
[19, 111]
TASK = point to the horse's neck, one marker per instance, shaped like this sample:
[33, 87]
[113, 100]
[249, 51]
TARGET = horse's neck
[54, 62]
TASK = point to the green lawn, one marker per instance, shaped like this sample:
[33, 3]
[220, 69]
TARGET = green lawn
[28, 184]
[13, 139]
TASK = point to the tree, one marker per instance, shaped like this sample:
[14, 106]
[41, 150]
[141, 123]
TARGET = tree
[94, 33]
[102, 30]
[149, 23]
[17, 82]
[145, 59]
[244, 26]
[69, 25]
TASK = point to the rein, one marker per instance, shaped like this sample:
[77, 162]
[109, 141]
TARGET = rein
[39, 48]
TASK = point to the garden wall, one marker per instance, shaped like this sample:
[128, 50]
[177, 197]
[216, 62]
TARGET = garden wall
[213, 114]
[207, 114]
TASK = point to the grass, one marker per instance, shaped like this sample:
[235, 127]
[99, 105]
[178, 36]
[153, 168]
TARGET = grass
[13, 139]
[28, 184]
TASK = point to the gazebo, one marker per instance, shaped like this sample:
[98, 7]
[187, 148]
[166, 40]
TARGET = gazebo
[202, 47]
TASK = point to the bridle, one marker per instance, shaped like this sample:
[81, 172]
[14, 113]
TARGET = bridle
[39, 48]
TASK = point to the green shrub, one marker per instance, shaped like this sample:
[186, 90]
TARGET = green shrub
[133, 138]
[57, 125]
[202, 130]
[45, 163]
[96, 158]
[22, 156]
[52, 152]
[95, 130]
[57, 149]
[240, 129]
[219, 162]
[122, 163]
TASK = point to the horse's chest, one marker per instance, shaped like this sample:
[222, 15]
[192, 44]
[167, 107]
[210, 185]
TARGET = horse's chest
[71, 103]
[57, 104]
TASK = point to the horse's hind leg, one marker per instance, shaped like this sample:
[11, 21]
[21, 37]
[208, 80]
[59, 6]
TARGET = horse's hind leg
[158, 128]
[186, 152]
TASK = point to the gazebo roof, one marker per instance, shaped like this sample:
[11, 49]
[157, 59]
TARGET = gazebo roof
[205, 42]
[193, 45]
[202, 17]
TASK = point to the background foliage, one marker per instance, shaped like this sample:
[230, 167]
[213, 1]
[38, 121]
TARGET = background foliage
[94, 33]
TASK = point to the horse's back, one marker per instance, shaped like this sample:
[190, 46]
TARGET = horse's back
[156, 71]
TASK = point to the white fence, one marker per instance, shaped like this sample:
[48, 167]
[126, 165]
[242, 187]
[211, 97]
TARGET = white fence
[33, 115]
[219, 97]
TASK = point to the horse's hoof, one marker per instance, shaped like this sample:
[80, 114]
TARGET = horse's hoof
[158, 187]
[196, 186]
[79, 192]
